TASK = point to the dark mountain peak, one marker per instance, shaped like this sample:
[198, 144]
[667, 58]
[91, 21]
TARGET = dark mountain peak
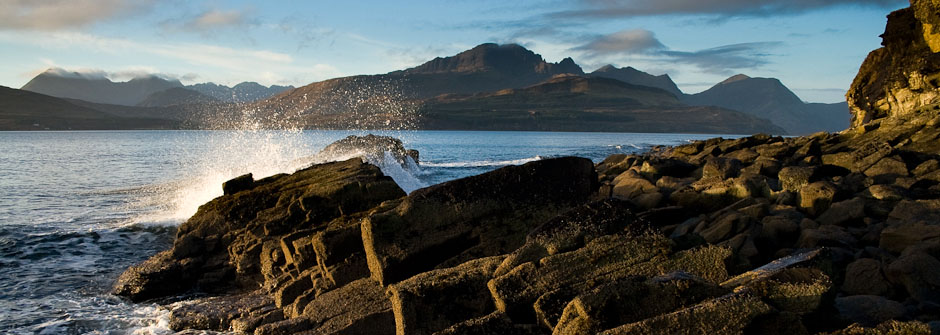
[511, 59]
[633, 76]
[735, 78]
[567, 65]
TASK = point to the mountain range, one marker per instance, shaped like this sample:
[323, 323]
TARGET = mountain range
[146, 91]
[25, 110]
[489, 87]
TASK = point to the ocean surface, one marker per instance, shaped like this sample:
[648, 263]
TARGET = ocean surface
[77, 208]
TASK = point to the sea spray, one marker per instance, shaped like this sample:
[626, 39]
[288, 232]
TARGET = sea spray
[263, 153]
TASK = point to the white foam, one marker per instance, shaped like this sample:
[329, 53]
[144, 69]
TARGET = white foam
[403, 174]
[485, 163]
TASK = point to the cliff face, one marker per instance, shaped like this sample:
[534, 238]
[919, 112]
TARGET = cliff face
[902, 78]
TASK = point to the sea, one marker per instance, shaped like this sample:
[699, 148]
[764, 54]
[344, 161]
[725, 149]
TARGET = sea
[79, 207]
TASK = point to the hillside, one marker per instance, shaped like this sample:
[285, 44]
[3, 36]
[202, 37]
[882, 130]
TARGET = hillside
[176, 96]
[24, 110]
[577, 103]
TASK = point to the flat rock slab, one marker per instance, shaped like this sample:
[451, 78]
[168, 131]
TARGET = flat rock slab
[438, 299]
[479, 216]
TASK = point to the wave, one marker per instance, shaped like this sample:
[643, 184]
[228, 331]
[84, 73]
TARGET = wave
[484, 163]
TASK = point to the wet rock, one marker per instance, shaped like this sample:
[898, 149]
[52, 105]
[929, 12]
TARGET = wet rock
[869, 310]
[484, 215]
[238, 184]
[370, 146]
[437, 299]
[865, 277]
[159, 276]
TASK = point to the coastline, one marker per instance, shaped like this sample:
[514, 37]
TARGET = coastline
[828, 233]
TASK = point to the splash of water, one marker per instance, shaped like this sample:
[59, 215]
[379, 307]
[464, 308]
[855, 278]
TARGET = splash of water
[225, 155]
[267, 138]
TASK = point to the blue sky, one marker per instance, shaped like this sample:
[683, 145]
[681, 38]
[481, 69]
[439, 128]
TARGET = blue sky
[814, 46]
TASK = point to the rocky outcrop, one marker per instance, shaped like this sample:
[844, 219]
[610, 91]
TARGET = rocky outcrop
[902, 79]
[372, 147]
[259, 234]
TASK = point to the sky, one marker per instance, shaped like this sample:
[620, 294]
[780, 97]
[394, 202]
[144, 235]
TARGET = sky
[814, 47]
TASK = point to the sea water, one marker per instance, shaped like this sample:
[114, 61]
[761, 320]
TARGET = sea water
[77, 208]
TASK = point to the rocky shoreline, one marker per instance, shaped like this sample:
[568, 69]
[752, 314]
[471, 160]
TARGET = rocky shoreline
[829, 233]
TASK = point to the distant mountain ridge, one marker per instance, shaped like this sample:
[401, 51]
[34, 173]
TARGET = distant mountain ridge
[243, 92]
[146, 91]
[501, 77]
[769, 98]
[55, 82]
[637, 77]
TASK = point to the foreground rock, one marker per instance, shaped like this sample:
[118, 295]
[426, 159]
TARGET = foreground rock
[831, 233]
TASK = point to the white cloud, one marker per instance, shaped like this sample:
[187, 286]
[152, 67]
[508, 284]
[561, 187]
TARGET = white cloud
[61, 14]
[239, 64]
